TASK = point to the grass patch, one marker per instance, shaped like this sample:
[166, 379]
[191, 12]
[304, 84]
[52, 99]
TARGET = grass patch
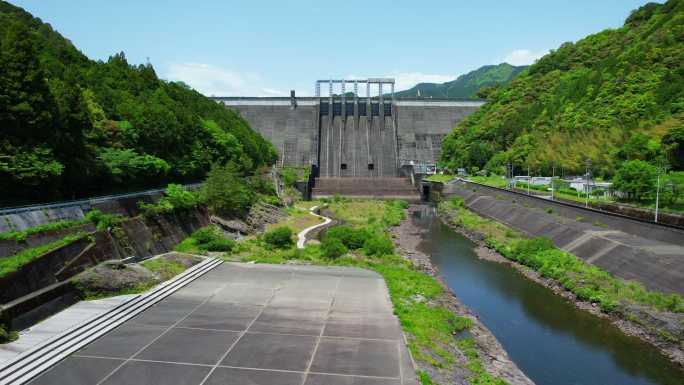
[15, 262]
[99, 219]
[164, 268]
[494, 180]
[439, 178]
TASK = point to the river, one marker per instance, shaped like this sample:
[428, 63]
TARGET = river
[551, 340]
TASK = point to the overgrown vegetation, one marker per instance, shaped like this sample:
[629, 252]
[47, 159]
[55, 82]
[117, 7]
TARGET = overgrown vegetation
[612, 97]
[206, 239]
[586, 281]
[431, 327]
[99, 219]
[78, 127]
[14, 262]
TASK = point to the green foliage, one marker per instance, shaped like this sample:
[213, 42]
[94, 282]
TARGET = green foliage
[127, 165]
[164, 268]
[466, 86]
[279, 237]
[636, 178]
[15, 262]
[456, 202]
[176, 198]
[378, 244]
[209, 238]
[352, 238]
[7, 335]
[333, 248]
[78, 127]
[288, 175]
[622, 86]
[226, 193]
[103, 221]
[673, 141]
[21, 236]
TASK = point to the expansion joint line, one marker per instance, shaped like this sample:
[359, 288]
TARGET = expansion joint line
[129, 359]
[237, 340]
[320, 335]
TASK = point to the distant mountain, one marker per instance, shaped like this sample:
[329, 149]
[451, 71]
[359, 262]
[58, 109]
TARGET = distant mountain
[465, 86]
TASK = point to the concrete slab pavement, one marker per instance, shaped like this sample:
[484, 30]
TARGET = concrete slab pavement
[254, 324]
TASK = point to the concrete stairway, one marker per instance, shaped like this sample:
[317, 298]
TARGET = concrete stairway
[366, 187]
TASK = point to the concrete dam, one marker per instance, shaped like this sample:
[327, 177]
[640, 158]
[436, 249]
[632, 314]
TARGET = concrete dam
[352, 136]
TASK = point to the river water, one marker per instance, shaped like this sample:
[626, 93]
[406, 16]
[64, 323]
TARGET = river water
[551, 340]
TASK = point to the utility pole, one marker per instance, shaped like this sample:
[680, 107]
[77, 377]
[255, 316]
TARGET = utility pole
[553, 176]
[586, 185]
[660, 170]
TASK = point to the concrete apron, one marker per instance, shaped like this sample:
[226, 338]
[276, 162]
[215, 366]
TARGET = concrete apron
[251, 323]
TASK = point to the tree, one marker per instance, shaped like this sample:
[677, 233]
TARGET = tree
[636, 178]
[673, 142]
[226, 193]
[27, 109]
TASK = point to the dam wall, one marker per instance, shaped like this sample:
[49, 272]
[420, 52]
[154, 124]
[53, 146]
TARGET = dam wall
[647, 253]
[353, 137]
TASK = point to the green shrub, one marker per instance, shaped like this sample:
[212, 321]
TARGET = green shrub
[332, 248]
[7, 335]
[456, 202]
[208, 238]
[103, 221]
[180, 198]
[176, 198]
[226, 193]
[351, 238]
[378, 244]
[206, 234]
[224, 244]
[288, 176]
[280, 237]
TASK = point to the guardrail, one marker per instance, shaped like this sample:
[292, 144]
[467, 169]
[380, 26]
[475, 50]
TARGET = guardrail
[86, 201]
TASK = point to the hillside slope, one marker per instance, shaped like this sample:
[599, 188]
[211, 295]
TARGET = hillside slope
[73, 127]
[466, 86]
[613, 96]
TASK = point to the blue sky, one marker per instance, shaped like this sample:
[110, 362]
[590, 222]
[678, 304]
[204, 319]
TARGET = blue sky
[261, 48]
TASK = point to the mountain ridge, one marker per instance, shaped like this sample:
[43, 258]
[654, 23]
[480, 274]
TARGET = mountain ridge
[466, 85]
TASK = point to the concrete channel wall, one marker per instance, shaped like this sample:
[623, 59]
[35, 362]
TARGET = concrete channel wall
[632, 250]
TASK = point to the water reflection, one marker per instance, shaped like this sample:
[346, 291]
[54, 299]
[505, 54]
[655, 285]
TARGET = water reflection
[551, 341]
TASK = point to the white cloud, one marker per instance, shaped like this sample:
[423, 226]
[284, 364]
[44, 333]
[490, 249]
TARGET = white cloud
[212, 80]
[406, 80]
[523, 57]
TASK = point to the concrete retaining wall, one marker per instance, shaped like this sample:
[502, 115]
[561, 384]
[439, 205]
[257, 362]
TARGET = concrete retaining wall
[134, 237]
[628, 249]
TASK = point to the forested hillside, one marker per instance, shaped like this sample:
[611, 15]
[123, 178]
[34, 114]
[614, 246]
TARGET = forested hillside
[468, 85]
[74, 127]
[614, 97]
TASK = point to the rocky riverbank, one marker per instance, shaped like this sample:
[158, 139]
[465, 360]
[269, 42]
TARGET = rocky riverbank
[649, 325]
[407, 237]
